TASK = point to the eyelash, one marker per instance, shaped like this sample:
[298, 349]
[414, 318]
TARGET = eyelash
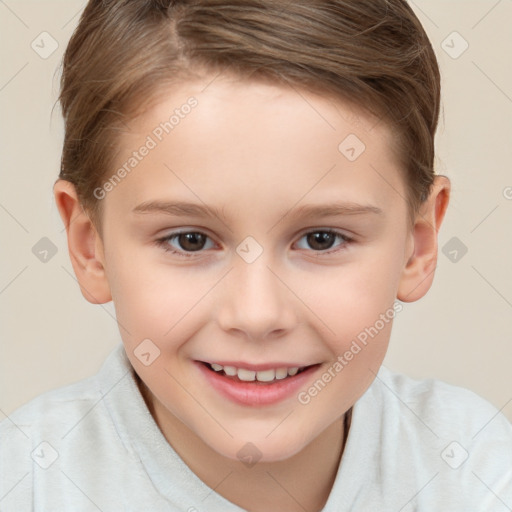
[163, 242]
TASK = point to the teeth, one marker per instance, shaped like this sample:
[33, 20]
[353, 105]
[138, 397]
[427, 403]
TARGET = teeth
[229, 370]
[246, 375]
[281, 373]
[266, 375]
[261, 376]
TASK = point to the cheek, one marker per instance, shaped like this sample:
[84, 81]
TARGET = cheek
[353, 298]
[157, 301]
[358, 307]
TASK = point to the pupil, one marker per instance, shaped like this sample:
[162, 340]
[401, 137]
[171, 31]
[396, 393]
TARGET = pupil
[187, 241]
[315, 240]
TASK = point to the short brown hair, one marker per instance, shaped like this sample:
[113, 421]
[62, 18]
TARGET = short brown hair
[372, 53]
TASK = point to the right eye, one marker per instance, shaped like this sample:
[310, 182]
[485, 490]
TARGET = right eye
[185, 243]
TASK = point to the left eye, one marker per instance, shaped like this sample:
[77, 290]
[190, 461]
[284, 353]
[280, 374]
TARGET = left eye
[324, 239]
[190, 242]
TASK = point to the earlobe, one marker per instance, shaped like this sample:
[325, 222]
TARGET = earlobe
[84, 244]
[418, 273]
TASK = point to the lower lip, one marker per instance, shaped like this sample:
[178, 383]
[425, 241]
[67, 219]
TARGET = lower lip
[256, 393]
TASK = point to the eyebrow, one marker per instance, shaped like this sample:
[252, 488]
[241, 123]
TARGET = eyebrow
[184, 209]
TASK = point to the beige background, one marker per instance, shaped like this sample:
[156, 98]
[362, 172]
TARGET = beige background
[461, 332]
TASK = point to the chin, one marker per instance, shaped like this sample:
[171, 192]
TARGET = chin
[260, 449]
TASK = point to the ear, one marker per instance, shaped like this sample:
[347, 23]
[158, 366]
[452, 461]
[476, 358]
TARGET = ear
[84, 244]
[418, 273]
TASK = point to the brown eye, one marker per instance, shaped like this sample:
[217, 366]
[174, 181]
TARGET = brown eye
[321, 240]
[191, 241]
[324, 239]
[185, 243]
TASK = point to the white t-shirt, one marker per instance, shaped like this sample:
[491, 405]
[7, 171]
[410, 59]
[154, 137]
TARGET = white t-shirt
[422, 446]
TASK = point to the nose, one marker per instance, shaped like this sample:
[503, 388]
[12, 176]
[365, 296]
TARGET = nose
[256, 302]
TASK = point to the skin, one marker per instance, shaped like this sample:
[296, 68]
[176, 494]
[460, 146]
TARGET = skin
[256, 152]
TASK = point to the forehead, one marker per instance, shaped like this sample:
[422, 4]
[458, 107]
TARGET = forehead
[220, 91]
[256, 139]
[223, 96]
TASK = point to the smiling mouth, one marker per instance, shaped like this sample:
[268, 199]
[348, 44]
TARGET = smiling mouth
[268, 376]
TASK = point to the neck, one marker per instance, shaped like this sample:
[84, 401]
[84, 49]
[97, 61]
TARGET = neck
[301, 482]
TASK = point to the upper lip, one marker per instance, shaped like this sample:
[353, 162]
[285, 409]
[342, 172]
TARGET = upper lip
[259, 367]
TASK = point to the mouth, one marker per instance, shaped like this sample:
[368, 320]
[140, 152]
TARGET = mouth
[256, 385]
[266, 376]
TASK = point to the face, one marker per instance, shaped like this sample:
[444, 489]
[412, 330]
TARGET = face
[256, 235]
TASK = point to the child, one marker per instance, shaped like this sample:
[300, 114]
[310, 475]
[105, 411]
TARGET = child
[293, 143]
